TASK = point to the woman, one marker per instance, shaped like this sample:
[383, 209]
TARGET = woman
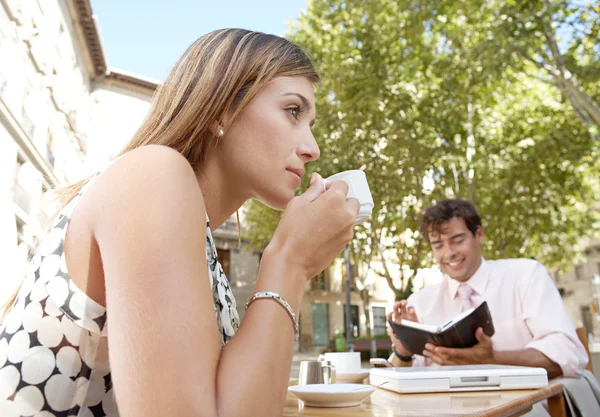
[128, 279]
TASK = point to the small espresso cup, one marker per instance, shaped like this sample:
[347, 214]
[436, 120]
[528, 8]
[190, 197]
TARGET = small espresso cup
[344, 362]
[316, 372]
[358, 188]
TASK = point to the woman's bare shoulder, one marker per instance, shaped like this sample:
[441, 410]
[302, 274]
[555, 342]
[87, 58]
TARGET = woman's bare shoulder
[143, 179]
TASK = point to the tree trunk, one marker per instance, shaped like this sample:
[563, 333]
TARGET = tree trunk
[366, 299]
[386, 274]
[586, 108]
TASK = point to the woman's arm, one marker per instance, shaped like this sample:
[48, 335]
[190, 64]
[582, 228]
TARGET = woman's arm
[163, 340]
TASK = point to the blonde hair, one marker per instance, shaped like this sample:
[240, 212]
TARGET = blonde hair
[219, 73]
[217, 76]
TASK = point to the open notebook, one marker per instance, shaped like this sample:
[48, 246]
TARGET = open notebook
[458, 332]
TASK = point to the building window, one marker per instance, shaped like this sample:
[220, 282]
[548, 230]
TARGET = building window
[355, 322]
[578, 272]
[320, 324]
[588, 320]
[224, 256]
[379, 321]
[321, 281]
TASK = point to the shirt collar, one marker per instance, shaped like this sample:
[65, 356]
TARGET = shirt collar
[478, 281]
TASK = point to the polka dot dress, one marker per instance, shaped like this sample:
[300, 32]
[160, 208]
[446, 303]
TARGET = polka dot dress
[53, 341]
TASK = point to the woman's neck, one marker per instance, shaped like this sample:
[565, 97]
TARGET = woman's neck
[222, 196]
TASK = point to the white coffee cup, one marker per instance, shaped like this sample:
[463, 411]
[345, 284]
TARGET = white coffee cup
[358, 188]
[344, 362]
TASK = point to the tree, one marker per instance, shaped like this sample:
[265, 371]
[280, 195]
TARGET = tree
[411, 95]
[558, 38]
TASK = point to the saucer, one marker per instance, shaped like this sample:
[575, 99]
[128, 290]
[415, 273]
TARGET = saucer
[331, 395]
[352, 377]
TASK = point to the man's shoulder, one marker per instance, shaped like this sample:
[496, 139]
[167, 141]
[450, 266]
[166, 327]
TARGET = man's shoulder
[514, 264]
[518, 268]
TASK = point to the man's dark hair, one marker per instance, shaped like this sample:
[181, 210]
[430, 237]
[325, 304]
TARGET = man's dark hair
[433, 218]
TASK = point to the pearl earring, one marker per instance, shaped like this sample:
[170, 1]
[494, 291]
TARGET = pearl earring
[221, 132]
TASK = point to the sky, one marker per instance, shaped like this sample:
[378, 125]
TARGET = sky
[147, 37]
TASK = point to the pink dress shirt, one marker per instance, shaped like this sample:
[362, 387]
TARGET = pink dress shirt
[526, 309]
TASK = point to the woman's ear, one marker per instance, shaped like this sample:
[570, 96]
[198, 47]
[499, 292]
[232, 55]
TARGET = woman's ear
[216, 129]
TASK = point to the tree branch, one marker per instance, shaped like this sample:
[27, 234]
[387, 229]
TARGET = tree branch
[386, 274]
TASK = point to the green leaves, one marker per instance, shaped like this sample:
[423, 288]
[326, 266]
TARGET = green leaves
[447, 98]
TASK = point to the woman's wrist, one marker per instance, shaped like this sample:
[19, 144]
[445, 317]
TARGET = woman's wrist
[283, 254]
[277, 274]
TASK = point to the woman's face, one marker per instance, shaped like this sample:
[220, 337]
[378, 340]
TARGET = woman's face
[267, 146]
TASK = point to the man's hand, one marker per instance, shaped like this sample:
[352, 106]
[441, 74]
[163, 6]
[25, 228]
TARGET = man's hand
[482, 352]
[401, 312]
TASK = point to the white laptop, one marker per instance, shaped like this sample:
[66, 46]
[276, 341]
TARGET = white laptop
[458, 378]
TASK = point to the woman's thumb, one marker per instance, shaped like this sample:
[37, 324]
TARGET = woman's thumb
[316, 188]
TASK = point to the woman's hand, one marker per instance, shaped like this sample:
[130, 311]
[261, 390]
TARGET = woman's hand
[315, 227]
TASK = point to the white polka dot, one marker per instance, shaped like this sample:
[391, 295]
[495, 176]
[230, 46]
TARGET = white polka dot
[88, 348]
[72, 332]
[49, 267]
[51, 242]
[102, 367]
[35, 263]
[18, 346]
[9, 381]
[38, 365]
[109, 404]
[32, 316]
[14, 318]
[68, 361]
[82, 306]
[44, 414]
[89, 324]
[58, 290]
[50, 333]
[30, 400]
[9, 409]
[3, 352]
[101, 364]
[60, 392]
[86, 412]
[82, 385]
[63, 263]
[96, 390]
[28, 284]
[51, 309]
[38, 293]
[73, 287]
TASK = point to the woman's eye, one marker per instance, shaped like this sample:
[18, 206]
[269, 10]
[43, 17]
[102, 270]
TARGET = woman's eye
[295, 111]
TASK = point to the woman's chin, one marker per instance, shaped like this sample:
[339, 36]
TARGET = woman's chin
[278, 201]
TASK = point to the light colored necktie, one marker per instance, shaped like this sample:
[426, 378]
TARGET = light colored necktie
[465, 292]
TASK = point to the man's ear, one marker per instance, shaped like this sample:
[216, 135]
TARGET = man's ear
[479, 234]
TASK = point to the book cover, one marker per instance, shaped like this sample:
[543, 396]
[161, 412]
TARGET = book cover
[457, 333]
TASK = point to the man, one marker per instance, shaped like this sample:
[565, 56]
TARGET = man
[531, 323]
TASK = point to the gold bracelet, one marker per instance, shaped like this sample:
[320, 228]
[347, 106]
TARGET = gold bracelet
[267, 295]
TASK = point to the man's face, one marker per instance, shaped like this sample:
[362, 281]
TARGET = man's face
[456, 249]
